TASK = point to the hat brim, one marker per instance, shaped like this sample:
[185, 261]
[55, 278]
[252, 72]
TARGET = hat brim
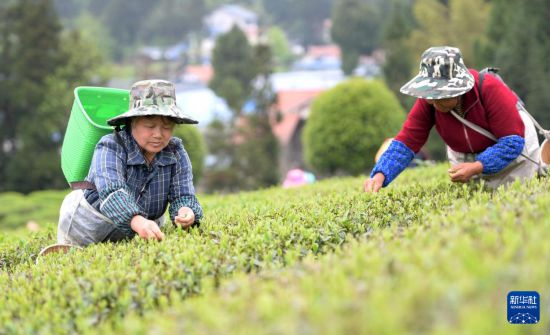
[173, 112]
[430, 88]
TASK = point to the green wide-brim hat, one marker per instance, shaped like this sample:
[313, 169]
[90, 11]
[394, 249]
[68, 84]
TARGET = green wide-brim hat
[153, 98]
[442, 75]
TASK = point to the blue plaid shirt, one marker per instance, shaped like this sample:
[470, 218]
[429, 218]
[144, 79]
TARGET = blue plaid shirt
[126, 186]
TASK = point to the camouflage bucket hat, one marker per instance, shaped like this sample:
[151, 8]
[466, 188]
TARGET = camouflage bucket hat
[153, 97]
[442, 75]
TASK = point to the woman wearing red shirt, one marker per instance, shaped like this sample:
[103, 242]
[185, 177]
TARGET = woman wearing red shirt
[447, 91]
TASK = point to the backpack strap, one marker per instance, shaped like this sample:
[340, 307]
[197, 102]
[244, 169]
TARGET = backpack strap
[494, 71]
[481, 77]
[86, 185]
[475, 127]
[82, 185]
[484, 132]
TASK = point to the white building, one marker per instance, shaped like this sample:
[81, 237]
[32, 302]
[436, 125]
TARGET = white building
[221, 20]
[202, 104]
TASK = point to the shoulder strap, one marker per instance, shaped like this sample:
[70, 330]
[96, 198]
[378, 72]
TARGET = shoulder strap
[118, 138]
[494, 71]
[82, 185]
[86, 185]
[484, 132]
[481, 77]
[475, 127]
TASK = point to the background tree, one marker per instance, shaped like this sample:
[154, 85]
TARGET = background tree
[42, 133]
[244, 154]
[231, 59]
[302, 19]
[219, 176]
[68, 9]
[132, 24]
[96, 7]
[41, 68]
[520, 48]
[356, 28]
[460, 23]
[125, 19]
[348, 123]
[172, 20]
[257, 152]
[96, 34]
[280, 46]
[195, 146]
[29, 51]
[400, 60]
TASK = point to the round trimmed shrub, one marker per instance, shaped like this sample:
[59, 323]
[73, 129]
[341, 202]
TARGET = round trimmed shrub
[347, 125]
[194, 144]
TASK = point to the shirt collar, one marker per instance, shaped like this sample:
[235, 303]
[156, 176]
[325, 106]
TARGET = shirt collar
[135, 156]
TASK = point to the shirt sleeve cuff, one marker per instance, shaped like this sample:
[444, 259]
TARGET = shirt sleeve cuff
[186, 201]
[498, 156]
[393, 161]
[120, 207]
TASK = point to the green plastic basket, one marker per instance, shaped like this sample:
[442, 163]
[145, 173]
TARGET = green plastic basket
[92, 107]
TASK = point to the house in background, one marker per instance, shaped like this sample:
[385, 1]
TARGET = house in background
[173, 53]
[320, 57]
[222, 19]
[370, 66]
[295, 92]
[202, 104]
[201, 73]
[287, 124]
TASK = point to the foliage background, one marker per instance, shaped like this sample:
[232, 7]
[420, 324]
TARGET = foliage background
[194, 144]
[347, 124]
[47, 47]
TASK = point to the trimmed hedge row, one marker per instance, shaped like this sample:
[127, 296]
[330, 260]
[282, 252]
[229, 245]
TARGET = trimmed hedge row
[447, 275]
[244, 234]
[17, 209]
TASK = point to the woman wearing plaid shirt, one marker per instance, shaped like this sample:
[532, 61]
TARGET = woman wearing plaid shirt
[135, 173]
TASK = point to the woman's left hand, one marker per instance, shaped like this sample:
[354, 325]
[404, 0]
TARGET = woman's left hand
[462, 172]
[185, 217]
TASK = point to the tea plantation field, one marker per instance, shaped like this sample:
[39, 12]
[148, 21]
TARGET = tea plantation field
[424, 256]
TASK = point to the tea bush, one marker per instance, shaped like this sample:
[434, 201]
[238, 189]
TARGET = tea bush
[347, 125]
[447, 275]
[423, 256]
[42, 207]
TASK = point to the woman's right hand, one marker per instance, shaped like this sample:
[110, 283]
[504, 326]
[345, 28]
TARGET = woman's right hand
[374, 184]
[146, 229]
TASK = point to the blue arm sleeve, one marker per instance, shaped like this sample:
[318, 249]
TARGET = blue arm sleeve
[393, 161]
[499, 155]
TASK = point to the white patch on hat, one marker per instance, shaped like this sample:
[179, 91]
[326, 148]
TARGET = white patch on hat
[451, 88]
[423, 83]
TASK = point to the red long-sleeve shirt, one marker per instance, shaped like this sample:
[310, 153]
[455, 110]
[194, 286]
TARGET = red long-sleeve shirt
[498, 114]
